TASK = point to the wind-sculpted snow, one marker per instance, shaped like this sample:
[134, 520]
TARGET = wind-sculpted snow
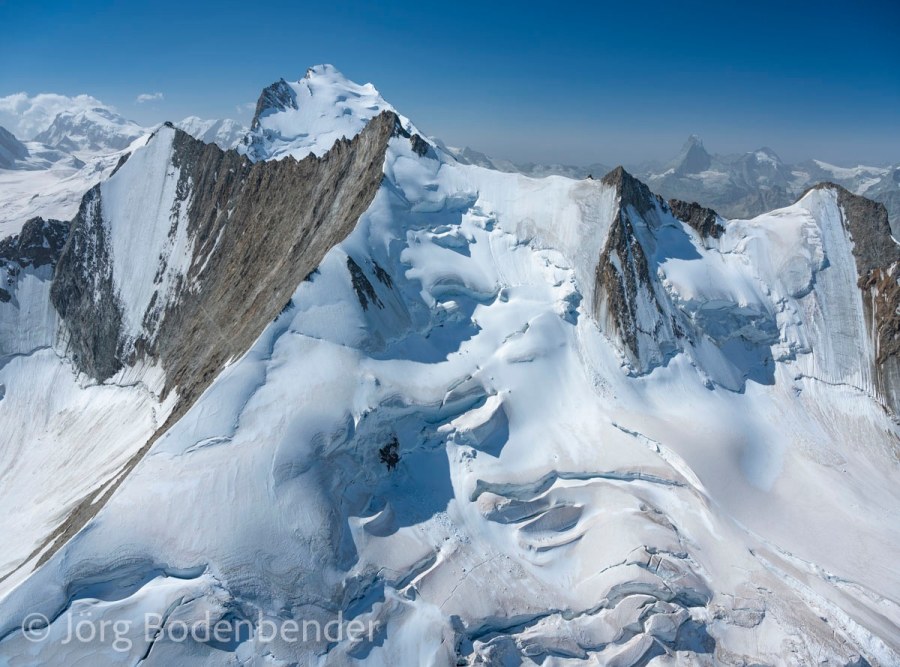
[439, 436]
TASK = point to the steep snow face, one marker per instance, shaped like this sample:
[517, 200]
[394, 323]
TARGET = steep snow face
[90, 131]
[436, 438]
[150, 248]
[63, 441]
[225, 133]
[309, 115]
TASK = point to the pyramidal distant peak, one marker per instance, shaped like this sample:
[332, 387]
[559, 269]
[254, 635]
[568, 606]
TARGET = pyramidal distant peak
[692, 158]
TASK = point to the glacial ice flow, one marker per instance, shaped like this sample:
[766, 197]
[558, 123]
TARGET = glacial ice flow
[549, 503]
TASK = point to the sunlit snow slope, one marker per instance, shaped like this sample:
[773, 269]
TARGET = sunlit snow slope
[506, 421]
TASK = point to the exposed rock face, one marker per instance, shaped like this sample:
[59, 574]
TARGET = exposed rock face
[11, 149]
[704, 220]
[257, 230]
[276, 97]
[632, 192]
[693, 158]
[83, 293]
[27, 263]
[38, 244]
[877, 258]
[625, 290]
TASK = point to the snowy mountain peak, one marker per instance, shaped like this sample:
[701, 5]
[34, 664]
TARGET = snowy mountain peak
[766, 154]
[693, 158]
[632, 192]
[309, 115]
[693, 139]
[90, 130]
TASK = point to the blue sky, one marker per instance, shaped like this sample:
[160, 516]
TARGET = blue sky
[555, 81]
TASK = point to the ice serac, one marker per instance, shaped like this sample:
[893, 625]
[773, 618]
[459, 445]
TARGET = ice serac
[226, 241]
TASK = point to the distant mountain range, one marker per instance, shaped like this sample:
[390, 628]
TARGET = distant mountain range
[740, 185]
[48, 175]
[749, 184]
[736, 186]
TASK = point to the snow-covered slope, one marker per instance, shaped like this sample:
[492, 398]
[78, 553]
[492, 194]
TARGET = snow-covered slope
[50, 183]
[225, 132]
[309, 115]
[505, 421]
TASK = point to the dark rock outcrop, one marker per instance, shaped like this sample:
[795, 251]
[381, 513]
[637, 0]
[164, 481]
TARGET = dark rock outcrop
[632, 192]
[40, 243]
[704, 220]
[83, 293]
[625, 299]
[277, 97]
[420, 146]
[363, 287]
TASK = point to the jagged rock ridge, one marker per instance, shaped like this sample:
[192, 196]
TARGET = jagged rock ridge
[237, 213]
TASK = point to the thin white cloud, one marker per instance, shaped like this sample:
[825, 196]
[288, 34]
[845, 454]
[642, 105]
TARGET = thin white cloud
[149, 97]
[26, 115]
[245, 109]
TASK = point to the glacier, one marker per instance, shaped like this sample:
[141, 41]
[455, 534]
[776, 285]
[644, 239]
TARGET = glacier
[499, 420]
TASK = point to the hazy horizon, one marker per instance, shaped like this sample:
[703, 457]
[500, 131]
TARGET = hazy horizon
[568, 84]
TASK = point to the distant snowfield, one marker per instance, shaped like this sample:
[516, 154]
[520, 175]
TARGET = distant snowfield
[549, 505]
[51, 183]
